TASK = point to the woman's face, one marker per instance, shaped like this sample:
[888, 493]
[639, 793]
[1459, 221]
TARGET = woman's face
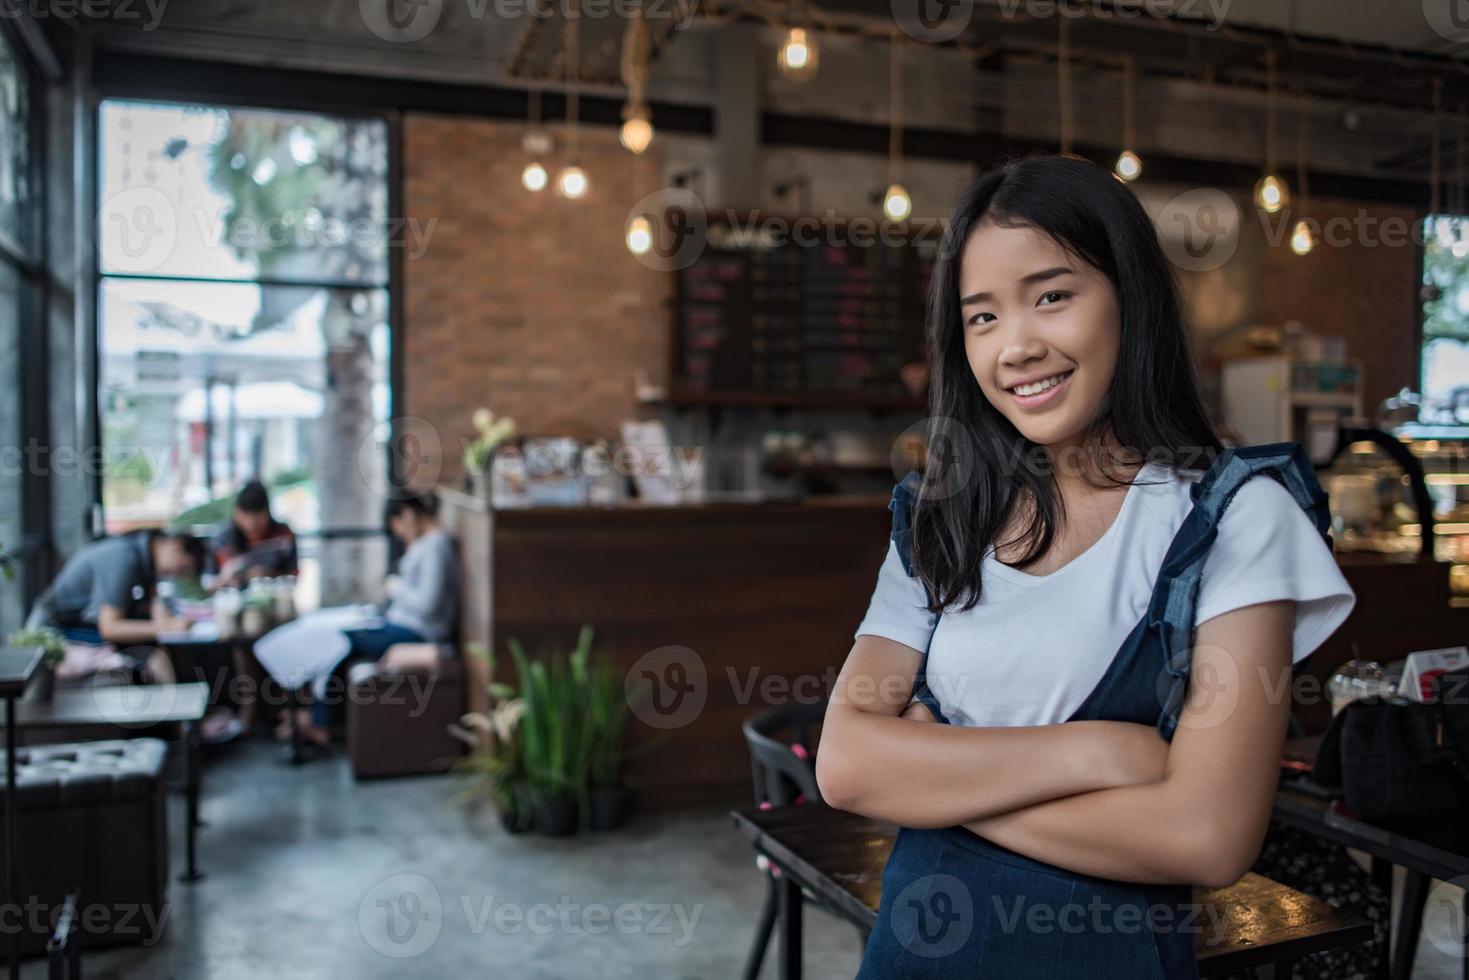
[1041, 331]
[404, 526]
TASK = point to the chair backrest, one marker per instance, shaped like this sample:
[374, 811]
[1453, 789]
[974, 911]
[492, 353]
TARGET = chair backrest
[784, 770]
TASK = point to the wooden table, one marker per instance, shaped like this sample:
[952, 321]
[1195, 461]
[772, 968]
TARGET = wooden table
[17, 664]
[839, 857]
[130, 706]
[1427, 848]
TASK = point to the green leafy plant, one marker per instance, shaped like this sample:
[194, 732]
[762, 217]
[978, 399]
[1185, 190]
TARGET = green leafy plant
[51, 642]
[607, 710]
[497, 753]
[556, 732]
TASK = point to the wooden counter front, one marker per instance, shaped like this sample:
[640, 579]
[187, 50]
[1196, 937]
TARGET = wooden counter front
[767, 596]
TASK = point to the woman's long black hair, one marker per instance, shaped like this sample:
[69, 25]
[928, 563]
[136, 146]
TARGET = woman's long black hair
[979, 465]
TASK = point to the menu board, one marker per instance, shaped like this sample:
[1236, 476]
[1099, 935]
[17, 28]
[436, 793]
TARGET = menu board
[800, 319]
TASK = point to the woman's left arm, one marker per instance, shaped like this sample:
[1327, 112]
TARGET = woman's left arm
[1205, 821]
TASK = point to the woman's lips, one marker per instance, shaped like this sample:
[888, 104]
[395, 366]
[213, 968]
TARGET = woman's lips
[1045, 397]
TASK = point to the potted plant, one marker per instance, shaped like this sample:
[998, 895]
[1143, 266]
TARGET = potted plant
[497, 755]
[607, 710]
[53, 647]
[479, 452]
[555, 733]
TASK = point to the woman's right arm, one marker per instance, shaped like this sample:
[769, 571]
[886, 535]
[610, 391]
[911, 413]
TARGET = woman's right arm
[873, 762]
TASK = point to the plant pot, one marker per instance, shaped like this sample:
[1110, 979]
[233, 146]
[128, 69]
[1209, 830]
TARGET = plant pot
[512, 822]
[609, 806]
[556, 816]
[42, 685]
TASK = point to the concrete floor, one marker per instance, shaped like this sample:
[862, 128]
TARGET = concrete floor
[304, 864]
[312, 875]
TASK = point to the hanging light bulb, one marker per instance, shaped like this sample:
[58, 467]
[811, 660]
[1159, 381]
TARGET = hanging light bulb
[1302, 240]
[798, 54]
[637, 129]
[896, 203]
[639, 235]
[534, 176]
[1271, 194]
[1129, 166]
[572, 182]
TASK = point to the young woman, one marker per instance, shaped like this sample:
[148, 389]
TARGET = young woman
[1079, 547]
[423, 607]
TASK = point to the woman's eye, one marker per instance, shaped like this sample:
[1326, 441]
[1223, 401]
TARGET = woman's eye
[1060, 294]
[975, 320]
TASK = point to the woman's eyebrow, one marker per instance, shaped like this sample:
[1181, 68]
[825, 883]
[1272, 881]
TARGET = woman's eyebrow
[1025, 280]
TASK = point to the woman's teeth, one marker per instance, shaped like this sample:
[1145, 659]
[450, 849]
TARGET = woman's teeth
[1037, 387]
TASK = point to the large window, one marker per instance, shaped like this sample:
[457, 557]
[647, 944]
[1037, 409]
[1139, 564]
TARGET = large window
[19, 278]
[1444, 365]
[243, 310]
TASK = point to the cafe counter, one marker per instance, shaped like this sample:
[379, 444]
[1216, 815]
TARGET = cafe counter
[730, 608]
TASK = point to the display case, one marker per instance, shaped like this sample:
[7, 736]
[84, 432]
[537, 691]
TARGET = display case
[1380, 502]
[1398, 493]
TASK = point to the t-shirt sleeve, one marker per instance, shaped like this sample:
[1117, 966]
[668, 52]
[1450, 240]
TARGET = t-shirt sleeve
[112, 585]
[899, 606]
[1268, 549]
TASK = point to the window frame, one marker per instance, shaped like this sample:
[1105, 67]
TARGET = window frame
[31, 553]
[277, 98]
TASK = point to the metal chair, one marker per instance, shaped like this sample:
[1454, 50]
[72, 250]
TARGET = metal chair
[785, 775]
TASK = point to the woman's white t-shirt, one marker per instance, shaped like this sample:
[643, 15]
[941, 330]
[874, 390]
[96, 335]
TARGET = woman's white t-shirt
[1036, 645]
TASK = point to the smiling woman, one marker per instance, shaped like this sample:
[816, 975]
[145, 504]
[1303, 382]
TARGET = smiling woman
[1079, 550]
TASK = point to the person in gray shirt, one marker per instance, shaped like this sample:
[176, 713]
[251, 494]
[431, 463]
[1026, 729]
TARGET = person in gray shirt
[423, 598]
[107, 591]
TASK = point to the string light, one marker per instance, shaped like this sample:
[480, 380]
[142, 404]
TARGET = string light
[1129, 166]
[1271, 192]
[896, 203]
[1302, 238]
[572, 182]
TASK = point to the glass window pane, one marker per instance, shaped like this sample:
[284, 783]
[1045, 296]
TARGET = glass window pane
[207, 385]
[12, 464]
[16, 193]
[1445, 352]
[231, 193]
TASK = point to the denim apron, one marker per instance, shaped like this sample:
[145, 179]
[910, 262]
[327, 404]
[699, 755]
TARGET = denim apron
[956, 905]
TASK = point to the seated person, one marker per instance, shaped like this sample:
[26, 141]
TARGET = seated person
[254, 544]
[423, 607]
[108, 592]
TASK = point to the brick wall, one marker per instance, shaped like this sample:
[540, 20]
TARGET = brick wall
[529, 304]
[1362, 290]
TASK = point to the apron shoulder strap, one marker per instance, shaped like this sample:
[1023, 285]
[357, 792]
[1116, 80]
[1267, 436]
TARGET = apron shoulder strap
[1176, 592]
[902, 504]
